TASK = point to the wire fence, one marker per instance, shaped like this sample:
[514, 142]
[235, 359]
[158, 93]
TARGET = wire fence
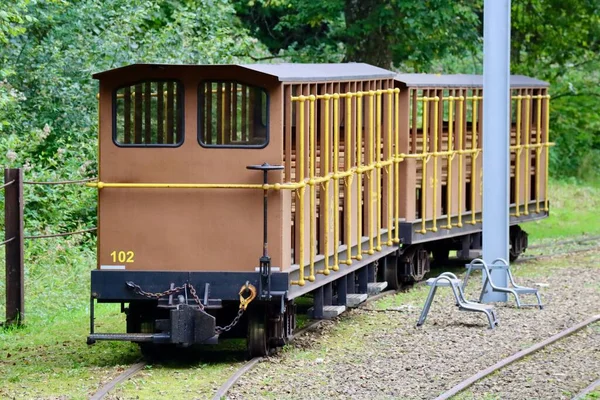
[14, 236]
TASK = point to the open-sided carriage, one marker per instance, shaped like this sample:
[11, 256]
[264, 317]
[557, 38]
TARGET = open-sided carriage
[221, 183]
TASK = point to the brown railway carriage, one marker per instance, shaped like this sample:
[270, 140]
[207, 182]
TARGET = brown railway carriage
[376, 171]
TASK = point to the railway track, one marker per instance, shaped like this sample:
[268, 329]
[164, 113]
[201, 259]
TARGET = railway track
[560, 248]
[222, 391]
[519, 356]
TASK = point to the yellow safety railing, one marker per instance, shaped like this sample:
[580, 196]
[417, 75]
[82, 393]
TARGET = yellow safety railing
[375, 162]
[435, 153]
[526, 146]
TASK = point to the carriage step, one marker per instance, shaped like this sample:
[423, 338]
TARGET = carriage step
[374, 288]
[329, 312]
[353, 300]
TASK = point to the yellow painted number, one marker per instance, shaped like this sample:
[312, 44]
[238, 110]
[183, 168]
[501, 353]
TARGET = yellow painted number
[122, 256]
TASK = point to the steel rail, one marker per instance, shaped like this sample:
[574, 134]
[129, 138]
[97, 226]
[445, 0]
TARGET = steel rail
[222, 391]
[515, 357]
[581, 395]
[582, 239]
[123, 376]
[563, 253]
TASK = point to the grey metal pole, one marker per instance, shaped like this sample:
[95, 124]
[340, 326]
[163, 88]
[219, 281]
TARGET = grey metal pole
[496, 138]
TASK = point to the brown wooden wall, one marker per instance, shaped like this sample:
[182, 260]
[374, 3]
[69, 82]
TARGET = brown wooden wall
[189, 229]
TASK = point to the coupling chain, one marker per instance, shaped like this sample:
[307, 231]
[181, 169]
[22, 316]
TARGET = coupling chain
[226, 328]
[138, 289]
[219, 329]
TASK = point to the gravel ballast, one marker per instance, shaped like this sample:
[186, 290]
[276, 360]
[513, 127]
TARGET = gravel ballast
[375, 354]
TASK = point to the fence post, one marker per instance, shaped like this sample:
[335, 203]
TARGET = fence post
[13, 228]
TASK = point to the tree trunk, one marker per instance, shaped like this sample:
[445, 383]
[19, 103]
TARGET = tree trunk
[369, 39]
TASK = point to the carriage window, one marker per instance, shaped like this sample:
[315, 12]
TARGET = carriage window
[232, 114]
[149, 114]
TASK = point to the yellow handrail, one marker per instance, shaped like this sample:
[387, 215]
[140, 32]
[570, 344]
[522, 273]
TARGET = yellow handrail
[359, 135]
[397, 161]
[450, 158]
[300, 194]
[461, 185]
[435, 153]
[519, 151]
[388, 171]
[370, 191]
[474, 160]
[348, 181]
[424, 157]
[527, 152]
[538, 152]
[326, 200]
[378, 170]
[336, 183]
[312, 238]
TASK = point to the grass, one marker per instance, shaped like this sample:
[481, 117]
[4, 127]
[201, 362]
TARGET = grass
[48, 357]
[574, 211]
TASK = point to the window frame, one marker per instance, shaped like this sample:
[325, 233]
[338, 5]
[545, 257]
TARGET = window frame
[180, 98]
[202, 103]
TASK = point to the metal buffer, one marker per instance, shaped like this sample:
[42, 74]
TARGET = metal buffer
[449, 279]
[500, 264]
[264, 288]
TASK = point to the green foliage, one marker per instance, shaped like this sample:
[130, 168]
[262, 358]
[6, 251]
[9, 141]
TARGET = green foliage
[375, 31]
[559, 42]
[48, 106]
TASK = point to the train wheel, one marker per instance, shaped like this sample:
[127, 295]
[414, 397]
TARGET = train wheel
[258, 341]
[392, 273]
[415, 263]
[518, 242]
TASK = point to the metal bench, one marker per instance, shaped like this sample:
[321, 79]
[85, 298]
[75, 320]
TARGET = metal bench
[448, 279]
[499, 263]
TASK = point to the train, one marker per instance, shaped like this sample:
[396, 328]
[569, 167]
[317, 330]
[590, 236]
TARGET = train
[227, 192]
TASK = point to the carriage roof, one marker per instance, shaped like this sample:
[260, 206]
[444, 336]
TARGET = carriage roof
[463, 80]
[282, 72]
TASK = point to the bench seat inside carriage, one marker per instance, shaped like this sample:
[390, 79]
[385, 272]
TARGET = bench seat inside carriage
[379, 171]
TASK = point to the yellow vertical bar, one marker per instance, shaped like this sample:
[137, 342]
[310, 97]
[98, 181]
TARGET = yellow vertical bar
[436, 113]
[325, 154]
[312, 204]
[378, 168]
[389, 169]
[518, 159]
[300, 208]
[474, 160]
[538, 152]
[359, 139]
[336, 183]
[348, 179]
[370, 191]
[424, 172]
[461, 183]
[547, 153]
[397, 165]
[449, 162]
[527, 152]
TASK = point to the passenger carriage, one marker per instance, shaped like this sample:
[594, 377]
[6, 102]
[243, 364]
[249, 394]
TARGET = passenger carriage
[221, 183]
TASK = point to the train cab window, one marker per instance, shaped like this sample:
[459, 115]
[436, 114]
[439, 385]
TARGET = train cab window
[232, 114]
[148, 114]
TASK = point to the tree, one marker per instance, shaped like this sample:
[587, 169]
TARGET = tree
[379, 32]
